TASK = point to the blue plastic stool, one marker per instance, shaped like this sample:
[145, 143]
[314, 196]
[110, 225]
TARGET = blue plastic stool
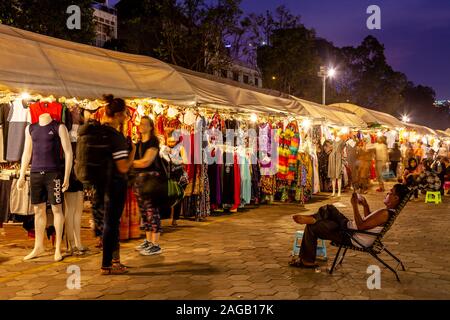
[321, 248]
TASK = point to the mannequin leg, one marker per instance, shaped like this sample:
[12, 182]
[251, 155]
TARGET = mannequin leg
[69, 211]
[40, 222]
[58, 217]
[339, 187]
[73, 205]
[77, 219]
[333, 182]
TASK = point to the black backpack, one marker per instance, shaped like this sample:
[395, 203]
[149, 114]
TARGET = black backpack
[93, 154]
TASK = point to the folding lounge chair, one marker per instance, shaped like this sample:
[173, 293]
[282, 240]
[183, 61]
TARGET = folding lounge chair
[377, 247]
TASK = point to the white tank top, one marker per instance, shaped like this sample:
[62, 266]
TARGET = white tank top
[364, 239]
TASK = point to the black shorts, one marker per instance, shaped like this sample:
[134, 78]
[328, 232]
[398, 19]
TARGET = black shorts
[46, 186]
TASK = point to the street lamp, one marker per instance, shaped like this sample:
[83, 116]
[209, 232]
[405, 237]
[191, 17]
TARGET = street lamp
[405, 118]
[324, 73]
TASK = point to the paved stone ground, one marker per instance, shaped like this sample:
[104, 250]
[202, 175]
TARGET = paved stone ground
[242, 256]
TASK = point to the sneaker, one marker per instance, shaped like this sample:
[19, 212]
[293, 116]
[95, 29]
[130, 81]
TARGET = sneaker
[145, 245]
[151, 251]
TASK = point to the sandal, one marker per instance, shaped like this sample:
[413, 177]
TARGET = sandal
[114, 270]
[300, 264]
[117, 264]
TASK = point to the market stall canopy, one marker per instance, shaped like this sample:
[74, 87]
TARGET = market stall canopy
[421, 129]
[331, 114]
[214, 91]
[371, 116]
[39, 64]
[443, 134]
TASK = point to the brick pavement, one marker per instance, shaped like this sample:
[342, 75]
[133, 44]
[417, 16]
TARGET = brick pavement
[241, 256]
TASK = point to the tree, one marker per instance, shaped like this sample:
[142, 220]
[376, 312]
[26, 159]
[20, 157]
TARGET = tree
[258, 30]
[189, 33]
[289, 63]
[419, 106]
[368, 80]
[49, 17]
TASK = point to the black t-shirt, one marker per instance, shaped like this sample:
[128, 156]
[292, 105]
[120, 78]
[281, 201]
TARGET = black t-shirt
[119, 149]
[142, 147]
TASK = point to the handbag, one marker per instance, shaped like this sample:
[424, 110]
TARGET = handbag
[154, 186]
[175, 192]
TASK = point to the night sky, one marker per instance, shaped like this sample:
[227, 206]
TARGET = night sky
[416, 33]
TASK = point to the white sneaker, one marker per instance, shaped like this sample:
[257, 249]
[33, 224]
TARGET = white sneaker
[145, 245]
[153, 250]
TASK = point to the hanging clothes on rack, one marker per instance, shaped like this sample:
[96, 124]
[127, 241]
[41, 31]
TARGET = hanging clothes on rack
[18, 118]
[53, 108]
[246, 179]
[268, 179]
[335, 164]
[4, 126]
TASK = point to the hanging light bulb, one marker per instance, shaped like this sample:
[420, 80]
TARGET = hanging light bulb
[253, 117]
[306, 123]
[25, 96]
[379, 134]
[344, 130]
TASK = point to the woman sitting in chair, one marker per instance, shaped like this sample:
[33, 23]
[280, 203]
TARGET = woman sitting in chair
[329, 224]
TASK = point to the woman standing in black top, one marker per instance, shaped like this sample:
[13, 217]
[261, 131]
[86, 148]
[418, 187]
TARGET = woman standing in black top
[146, 164]
[113, 192]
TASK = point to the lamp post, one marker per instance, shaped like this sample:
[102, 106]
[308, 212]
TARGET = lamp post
[405, 119]
[324, 73]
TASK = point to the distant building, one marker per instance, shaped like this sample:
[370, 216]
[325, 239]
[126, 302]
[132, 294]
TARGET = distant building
[443, 104]
[242, 73]
[105, 20]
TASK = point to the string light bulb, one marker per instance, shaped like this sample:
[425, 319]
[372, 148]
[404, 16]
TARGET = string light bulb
[306, 123]
[253, 117]
[345, 130]
[25, 96]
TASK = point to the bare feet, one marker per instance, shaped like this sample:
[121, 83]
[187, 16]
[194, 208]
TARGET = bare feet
[302, 219]
[58, 256]
[35, 253]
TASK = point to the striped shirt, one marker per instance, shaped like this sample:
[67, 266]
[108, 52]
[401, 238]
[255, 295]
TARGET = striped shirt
[118, 146]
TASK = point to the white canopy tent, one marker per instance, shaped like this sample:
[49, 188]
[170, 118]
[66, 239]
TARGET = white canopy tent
[421, 129]
[39, 64]
[330, 114]
[371, 116]
[44, 65]
[215, 91]
[443, 134]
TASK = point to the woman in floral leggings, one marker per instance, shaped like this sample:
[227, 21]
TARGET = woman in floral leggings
[147, 164]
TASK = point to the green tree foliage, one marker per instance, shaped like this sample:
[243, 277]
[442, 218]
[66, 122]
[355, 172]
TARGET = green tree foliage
[419, 106]
[189, 33]
[289, 63]
[49, 17]
[369, 80]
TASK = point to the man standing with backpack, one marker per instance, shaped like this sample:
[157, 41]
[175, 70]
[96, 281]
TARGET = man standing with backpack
[103, 160]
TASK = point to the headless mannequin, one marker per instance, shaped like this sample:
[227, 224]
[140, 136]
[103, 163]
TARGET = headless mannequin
[40, 219]
[338, 180]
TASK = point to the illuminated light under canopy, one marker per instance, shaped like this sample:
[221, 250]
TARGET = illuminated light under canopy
[345, 130]
[25, 96]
